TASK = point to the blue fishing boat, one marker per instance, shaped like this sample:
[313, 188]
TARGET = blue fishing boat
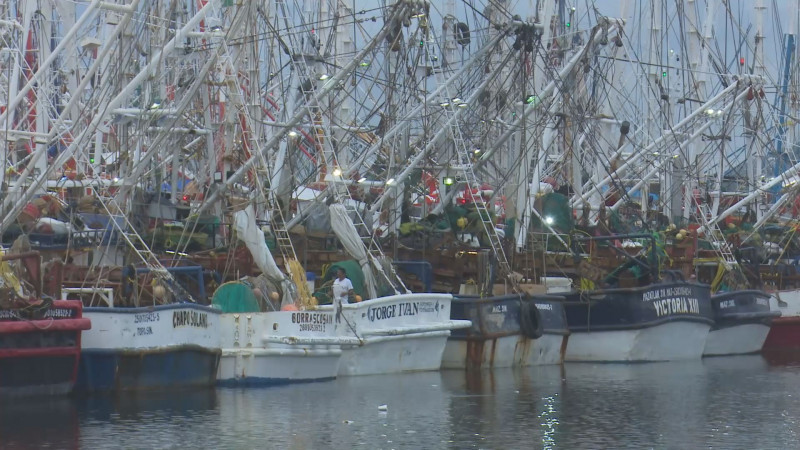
[172, 345]
[662, 321]
[507, 331]
[742, 321]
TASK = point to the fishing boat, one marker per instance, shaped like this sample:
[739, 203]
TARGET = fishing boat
[784, 333]
[266, 348]
[484, 129]
[507, 331]
[148, 348]
[171, 343]
[41, 337]
[396, 333]
[399, 333]
[742, 321]
[639, 317]
[659, 322]
[263, 344]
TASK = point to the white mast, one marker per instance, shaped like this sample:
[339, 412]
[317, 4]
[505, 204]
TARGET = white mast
[528, 175]
[697, 59]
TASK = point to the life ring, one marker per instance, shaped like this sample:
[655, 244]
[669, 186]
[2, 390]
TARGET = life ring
[462, 34]
[530, 320]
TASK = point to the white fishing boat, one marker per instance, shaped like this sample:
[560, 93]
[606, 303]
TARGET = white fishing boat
[159, 347]
[169, 344]
[397, 333]
[263, 348]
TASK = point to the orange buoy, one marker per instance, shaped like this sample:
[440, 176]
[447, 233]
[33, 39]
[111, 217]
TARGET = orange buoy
[289, 307]
[358, 298]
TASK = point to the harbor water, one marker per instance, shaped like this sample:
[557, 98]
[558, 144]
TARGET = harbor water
[729, 402]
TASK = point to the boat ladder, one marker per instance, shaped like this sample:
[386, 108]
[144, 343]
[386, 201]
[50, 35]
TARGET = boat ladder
[236, 99]
[721, 244]
[135, 242]
[451, 107]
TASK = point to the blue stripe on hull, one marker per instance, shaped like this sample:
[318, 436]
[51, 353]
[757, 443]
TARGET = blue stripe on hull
[261, 381]
[118, 370]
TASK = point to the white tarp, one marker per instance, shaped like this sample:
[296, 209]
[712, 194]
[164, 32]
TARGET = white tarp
[245, 224]
[350, 239]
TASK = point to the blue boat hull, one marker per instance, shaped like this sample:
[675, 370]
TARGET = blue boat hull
[263, 381]
[128, 370]
[498, 338]
[660, 322]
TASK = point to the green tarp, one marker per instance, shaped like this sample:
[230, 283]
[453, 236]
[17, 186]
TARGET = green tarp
[235, 297]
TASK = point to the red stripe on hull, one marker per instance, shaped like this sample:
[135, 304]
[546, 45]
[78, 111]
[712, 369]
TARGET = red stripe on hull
[784, 333]
[45, 325]
[41, 351]
[50, 368]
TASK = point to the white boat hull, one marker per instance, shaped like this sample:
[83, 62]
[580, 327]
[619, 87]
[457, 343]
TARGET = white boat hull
[669, 341]
[398, 333]
[394, 354]
[736, 340]
[277, 347]
[505, 351]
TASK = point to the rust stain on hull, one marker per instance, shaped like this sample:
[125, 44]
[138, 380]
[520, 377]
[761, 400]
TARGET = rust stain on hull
[522, 350]
[475, 354]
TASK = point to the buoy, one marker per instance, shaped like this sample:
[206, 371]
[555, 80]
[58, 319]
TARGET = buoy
[159, 291]
[462, 222]
[679, 236]
[257, 292]
[731, 226]
[289, 307]
[357, 298]
[683, 231]
[274, 296]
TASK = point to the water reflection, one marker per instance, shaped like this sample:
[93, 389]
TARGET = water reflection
[783, 357]
[504, 408]
[147, 419]
[39, 422]
[341, 414]
[629, 404]
[739, 402]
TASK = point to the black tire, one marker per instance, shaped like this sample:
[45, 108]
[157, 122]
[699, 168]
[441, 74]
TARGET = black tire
[530, 320]
[462, 34]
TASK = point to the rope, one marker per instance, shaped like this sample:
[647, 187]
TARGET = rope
[786, 247]
[298, 275]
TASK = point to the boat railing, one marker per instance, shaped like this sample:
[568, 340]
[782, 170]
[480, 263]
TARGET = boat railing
[105, 295]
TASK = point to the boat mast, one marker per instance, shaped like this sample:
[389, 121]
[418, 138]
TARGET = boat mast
[528, 174]
[782, 96]
[330, 83]
[60, 126]
[696, 57]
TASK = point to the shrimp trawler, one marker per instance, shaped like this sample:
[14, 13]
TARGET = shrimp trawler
[41, 337]
[149, 143]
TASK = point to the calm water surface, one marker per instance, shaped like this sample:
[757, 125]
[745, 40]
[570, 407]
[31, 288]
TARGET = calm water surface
[747, 402]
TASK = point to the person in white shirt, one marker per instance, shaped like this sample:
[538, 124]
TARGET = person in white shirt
[342, 287]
